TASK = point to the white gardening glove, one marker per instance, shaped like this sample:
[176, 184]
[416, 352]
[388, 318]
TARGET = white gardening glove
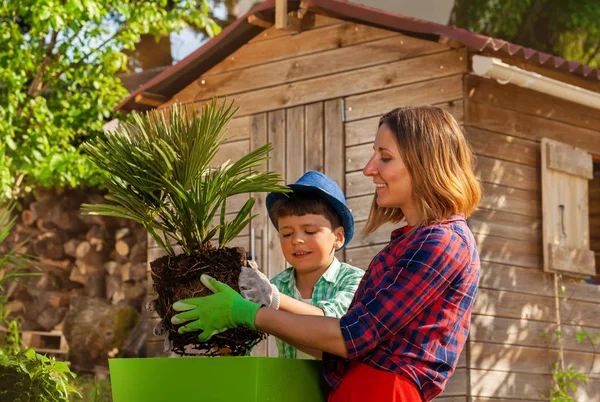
[256, 287]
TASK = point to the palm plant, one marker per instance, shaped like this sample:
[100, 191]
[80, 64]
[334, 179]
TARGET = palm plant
[161, 174]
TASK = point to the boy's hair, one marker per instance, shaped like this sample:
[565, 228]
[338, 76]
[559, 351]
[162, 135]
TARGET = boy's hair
[299, 205]
[439, 161]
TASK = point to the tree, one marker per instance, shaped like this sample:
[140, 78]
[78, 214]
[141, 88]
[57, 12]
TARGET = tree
[568, 29]
[151, 52]
[58, 79]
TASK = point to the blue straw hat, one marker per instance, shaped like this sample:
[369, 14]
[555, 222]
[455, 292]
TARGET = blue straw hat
[314, 183]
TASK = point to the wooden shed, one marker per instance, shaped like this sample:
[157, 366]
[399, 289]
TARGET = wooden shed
[315, 89]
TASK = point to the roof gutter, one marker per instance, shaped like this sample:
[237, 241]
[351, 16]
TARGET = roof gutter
[491, 67]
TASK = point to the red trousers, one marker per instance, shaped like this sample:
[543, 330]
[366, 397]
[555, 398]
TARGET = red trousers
[363, 383]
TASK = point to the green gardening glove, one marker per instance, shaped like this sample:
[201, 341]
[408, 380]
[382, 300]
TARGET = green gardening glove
[216, 313]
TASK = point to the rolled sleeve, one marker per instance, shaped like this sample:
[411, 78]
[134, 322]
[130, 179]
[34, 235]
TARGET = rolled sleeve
[337, 305]
[359, 331]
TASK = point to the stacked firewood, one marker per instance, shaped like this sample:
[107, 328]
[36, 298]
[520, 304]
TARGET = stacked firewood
[79, 256]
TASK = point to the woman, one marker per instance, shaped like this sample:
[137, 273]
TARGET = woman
[403, 333]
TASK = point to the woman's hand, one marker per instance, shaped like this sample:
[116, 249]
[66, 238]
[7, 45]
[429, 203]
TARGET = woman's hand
[216, 313]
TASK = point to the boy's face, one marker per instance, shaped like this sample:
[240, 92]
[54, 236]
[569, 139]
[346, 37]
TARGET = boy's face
[308, 241]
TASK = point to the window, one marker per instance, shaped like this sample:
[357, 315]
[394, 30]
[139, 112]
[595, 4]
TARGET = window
[566, 173]
[594, 197]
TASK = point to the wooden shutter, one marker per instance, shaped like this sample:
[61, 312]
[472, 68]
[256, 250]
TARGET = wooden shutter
[566, 236]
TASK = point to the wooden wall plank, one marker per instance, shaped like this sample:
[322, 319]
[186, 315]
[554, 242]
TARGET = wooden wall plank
[522, 332]
[381, 237]
[360, 206]
[514, 305]
[495, 197]
[238, 129]
[480, 399]
[314, 137]
[513, 200]
[457, 384]
[425, 89]
[334, 141]
[532, 307]
[517, 359]
[447, 87]
[517, 279]
[506, 173]
[510, 385]
[509, 251]
[460, 398]
[231, 151]
[357, 184]
[505, 224]
[363, 131]
[295, 152]
[521, 125]
[333, 61]
[312, 41]
[361, 257]
[276, 135]
[271, 33]
[588, 391]
[586, 363]
[358, 156]
[489, 170]
[523, 100]
[503, 147]
[259, 225]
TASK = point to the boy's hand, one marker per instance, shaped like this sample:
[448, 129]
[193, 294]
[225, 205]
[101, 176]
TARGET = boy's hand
[215, 313]
[256, 287]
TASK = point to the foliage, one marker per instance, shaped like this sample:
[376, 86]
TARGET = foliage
[12, 267]
[565, 378]
[564, 381]
[29, 376]
[58, 78]
[162, 176]
[24, 374]
[568, 29]
[93, 389]
[12, 263]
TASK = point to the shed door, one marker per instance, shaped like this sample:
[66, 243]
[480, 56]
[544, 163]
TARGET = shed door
[307, 137]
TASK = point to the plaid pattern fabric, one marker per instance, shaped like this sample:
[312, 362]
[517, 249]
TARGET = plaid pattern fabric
[333, 293]
[411, 313]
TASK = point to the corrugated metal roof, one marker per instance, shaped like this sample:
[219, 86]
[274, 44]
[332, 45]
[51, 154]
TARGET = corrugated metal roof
[177, 77]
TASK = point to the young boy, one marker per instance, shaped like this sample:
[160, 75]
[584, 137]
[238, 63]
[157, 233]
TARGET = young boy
[313, 222]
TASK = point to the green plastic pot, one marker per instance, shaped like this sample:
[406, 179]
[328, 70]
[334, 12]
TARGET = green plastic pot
[217, 379]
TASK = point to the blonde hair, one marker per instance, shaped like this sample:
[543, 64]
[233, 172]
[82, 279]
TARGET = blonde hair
[440, 163]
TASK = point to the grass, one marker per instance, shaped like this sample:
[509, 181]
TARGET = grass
[92, 389]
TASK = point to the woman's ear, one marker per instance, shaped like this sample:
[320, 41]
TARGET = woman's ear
[339, 237]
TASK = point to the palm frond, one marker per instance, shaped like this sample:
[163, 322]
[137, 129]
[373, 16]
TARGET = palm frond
[13, 263]
[162, 175]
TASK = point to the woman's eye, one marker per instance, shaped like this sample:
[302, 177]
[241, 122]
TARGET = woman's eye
[385, 160]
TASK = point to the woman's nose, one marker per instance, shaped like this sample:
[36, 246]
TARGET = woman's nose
[369, 169]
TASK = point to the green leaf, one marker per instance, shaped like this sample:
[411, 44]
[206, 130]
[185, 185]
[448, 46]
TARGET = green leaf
[160, 174]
